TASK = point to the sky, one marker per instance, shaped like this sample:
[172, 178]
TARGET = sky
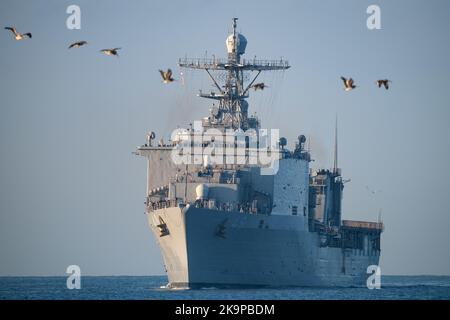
[72, 192]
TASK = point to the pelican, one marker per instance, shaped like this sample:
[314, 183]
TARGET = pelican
[348, 83]
[77, 44]
[17, 35]
[167, 76]
[384, 82]
[259, 86]
[111, 52]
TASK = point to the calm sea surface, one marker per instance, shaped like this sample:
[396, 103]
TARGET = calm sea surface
[153, 287]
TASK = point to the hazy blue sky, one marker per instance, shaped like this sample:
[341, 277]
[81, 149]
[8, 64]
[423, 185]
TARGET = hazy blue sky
[71, 192]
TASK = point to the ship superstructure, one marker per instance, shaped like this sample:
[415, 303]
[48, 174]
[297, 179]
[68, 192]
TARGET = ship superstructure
[229, 204]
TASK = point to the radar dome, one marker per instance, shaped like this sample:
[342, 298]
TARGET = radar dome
[241, 43]
[202, 191]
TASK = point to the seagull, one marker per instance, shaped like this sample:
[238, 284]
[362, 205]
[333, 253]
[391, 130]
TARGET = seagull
[17, 35]
[77, 44]
[384, 83]
[111, 52]
[167, 76]
[348, 83]
[259, 86]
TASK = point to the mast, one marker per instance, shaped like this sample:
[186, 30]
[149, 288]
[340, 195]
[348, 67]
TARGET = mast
[232, 109]
[335, 164]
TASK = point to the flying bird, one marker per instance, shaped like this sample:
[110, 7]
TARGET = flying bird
[111, 52]
[167, 76]
[348, 83]
[384, 83]
[260, 86]
[77, 44]
[17, 35]
[372, 191]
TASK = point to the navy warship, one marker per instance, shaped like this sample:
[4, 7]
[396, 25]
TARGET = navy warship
[230, 205]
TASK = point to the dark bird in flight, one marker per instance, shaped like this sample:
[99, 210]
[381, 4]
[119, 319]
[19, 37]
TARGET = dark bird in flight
[111, 52]
[260, 86]
[78, 44]
[384, 82]
[17, 35]
[167, 76]
[348, 84]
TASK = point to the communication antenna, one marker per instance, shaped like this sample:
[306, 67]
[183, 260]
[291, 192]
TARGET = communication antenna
[335, 164]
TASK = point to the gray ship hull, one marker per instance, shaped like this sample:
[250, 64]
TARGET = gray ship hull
[206, 247]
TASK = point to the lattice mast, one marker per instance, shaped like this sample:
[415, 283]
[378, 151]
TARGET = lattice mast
[232, 110]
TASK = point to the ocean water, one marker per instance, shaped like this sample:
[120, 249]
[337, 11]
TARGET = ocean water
[153, 288]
